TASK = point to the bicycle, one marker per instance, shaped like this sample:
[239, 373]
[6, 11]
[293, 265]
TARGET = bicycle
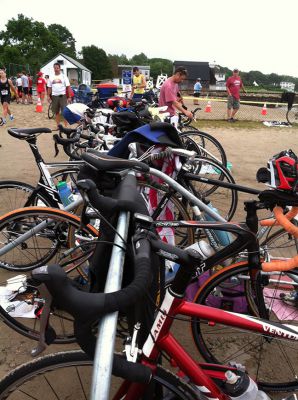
[195, 379]
[51, 114]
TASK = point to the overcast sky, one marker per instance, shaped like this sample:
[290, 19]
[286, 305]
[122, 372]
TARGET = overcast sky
[247, 34]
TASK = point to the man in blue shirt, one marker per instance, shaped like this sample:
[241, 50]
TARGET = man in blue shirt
[197, 88]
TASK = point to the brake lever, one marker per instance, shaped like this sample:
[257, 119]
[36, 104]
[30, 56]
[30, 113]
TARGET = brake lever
[56, 149]
[44, 320]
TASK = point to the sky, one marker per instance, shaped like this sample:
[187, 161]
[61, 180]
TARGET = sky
[246, 34]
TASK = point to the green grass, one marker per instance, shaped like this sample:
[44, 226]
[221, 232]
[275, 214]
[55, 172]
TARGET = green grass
[202, 124]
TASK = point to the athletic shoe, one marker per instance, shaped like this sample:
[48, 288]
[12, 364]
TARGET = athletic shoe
[230, 120]
[11, 117]
[2, 121]
[290, 298]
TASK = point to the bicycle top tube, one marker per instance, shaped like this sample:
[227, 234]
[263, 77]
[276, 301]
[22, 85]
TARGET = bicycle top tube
[188, 195]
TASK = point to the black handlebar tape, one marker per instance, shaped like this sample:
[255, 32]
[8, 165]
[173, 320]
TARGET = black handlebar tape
[121, 300]
[67, 131]
[131, 371]
[64, 142]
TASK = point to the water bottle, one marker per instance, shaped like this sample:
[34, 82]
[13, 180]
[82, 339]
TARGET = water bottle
[240, 387]
[262, 395]
[223, 237]
[65, 193]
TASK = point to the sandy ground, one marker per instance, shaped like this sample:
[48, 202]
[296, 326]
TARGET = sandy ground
[247, 150]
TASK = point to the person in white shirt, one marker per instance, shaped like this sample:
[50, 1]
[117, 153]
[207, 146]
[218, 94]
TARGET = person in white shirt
[58, 92]
[73, 113]
[25, 84]
[19, 86]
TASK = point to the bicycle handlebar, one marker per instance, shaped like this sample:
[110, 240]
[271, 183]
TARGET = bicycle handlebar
[271, 221]
[284, 221]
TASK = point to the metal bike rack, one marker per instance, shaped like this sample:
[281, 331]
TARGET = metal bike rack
[103, 360]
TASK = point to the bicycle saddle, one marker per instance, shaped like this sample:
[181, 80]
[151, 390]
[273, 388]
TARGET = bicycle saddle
[27, 133]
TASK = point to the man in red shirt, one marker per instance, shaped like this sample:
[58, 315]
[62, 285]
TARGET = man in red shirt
[234, 84]
[170, 95]
[41, 86]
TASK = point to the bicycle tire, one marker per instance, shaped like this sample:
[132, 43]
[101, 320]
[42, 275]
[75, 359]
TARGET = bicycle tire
[225, 200]
[207, 145]
[69, 374]
[292, 116]
[50, 112]
[221, 344]
[68, 233]
[15, 194]
[183, 236]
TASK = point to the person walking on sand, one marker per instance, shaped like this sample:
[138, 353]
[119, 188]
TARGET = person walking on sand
[58, 92]
[233, 85]
[5, 87]
[41, 86]
[25, 83]
[20, 87]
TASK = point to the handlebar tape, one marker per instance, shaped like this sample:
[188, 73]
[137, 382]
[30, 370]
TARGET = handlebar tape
[292, 229]
[67, 131]
[64, 142]
[89, 307]
[134, 372]
[271, 221]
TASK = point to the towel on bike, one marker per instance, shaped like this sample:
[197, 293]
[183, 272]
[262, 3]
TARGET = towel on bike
[155, 133]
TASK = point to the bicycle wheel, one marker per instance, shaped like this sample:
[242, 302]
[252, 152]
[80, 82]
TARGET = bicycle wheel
[292, 116]
[68, 375]
[56, 243]
[50, 112]
[172, 210]
[224, 199]
[14, 194]
[228, 288]
[205, 145]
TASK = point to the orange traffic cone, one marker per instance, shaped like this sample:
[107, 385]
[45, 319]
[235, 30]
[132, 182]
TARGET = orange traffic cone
[38, 106]
[264, 109]
[208, 107]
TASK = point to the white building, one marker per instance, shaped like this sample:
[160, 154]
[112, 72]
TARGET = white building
[289, 86]
[75, 71]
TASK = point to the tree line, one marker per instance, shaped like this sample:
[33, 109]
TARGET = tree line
[31, 43]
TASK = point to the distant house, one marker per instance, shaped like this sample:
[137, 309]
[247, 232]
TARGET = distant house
[76, 72]
[196, 69]
[289, 86]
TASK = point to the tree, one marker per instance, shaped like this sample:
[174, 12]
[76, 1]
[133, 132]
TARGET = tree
[139, 59]
[160, 65]
[65, 37]
[97, 61]
[33, 42]
[116, 60]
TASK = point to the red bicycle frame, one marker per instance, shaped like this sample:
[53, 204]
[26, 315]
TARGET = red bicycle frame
[200, 375]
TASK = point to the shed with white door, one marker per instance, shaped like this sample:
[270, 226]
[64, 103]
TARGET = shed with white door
[76, 72]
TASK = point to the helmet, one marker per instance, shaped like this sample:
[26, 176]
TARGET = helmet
[282, 172]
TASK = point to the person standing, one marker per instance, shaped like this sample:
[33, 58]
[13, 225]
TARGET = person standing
[197, 88]
[233, 85]
[58, 92]
[5, 87]
[30, 90]
[19, 86]
[25, 84]
[41, 86]
[138, 84]
[170, 95]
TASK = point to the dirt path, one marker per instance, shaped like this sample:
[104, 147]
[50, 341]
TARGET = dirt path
[247, 150]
